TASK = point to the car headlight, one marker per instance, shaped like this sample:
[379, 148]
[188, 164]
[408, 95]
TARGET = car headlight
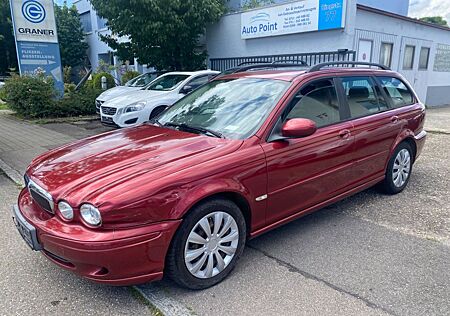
[65, 210]
[138, 106]
[91, 214]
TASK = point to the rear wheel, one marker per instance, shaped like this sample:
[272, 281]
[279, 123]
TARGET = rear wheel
[399, 169]
[208, 244]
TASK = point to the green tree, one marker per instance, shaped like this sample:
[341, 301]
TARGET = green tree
[163, 33]
[8, 55]
[439, 20]
[251, 4]
[70, 36]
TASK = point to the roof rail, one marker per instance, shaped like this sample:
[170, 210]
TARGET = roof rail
[346, 63]
[265, 65]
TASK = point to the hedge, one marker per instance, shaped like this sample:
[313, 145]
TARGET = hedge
[36, 97]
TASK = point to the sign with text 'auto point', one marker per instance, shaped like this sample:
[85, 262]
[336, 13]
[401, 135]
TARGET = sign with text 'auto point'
[37, 39]
[294, 17]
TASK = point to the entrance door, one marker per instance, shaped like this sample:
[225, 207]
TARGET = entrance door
[365, 49]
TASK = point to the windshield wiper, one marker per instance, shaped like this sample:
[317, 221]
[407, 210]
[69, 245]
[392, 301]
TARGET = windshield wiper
[195, 129]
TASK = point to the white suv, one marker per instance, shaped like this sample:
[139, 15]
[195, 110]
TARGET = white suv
[132, 85]
[139, 106]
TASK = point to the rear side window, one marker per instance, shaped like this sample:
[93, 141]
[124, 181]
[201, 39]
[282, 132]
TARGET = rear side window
[362, 96]
[318, 102]
[397, 91]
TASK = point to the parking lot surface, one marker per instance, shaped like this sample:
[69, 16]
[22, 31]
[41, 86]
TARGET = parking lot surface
[371, 254]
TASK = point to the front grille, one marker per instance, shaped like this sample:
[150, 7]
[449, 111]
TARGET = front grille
[108, 110]
[41, 197]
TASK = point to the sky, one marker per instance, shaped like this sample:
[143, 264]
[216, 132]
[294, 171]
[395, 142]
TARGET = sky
[421, 8]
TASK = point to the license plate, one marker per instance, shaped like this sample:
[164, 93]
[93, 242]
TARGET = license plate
[107, 119]
[26, 230]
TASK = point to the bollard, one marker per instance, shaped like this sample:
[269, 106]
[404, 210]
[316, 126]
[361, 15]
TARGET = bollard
[104, 83]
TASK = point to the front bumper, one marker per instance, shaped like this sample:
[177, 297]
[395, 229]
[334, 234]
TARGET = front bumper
[115, 257]
[120, 119]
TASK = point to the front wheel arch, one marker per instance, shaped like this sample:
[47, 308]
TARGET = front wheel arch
[157, 110]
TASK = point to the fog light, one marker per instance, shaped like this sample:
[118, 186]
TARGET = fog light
[65, 210]
[90, 214]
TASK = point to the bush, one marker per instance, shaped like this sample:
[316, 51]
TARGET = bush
[78, 103]
[30, 96]
[35, 97]
[128, 75]
[97, 80]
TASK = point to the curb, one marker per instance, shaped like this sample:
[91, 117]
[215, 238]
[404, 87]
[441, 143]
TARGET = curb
[12, 174]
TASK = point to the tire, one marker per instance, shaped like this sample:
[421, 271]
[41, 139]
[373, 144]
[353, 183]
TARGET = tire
[399, 169]
[157, 111]
[184, 258]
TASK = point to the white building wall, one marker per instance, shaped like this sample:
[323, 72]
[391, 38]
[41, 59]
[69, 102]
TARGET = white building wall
[224, 39]
[432, 86]
[96, 46]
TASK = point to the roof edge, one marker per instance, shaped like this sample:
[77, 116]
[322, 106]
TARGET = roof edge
[401, 17]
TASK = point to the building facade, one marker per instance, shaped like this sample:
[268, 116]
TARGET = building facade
[420, 51]
[379, 31]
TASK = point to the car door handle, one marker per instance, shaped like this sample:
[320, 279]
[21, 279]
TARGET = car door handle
[394, 119]
[345, 133]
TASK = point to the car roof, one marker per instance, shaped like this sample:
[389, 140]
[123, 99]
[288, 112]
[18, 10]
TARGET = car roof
[292, 75]
[192, 73]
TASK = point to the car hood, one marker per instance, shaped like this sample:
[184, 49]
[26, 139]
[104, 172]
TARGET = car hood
[90, 169]
[115, 92]
[133, 97]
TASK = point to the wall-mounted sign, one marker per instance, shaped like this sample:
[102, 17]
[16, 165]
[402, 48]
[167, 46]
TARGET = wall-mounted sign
[294, 17]
[442, 59]
[36, 39]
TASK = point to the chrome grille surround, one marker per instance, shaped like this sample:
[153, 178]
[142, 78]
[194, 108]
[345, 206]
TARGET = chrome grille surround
[41, 197]
[108, 110]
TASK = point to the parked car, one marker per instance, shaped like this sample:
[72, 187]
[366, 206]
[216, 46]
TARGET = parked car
[134, 84]
[243, 154]
[136, 107]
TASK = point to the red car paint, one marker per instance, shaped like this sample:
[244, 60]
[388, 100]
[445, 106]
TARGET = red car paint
[145, 179]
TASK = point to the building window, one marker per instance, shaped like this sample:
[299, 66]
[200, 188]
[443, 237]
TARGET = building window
[107, 58]
[424, 58]
[408, 59]
[101, 23]
[386, 54]
[85, 19]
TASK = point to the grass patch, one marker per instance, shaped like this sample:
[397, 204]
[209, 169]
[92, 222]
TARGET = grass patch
[138, 296]
[4, 106]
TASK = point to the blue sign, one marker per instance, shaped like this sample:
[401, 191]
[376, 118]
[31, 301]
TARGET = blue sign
[41, 58]
[37, 40]
[330, 14]
[293, 17]
[33, 11]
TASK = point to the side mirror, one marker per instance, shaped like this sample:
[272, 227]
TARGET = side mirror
[297, 128]
[186, 89]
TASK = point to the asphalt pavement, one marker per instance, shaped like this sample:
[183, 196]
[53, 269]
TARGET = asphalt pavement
[371, 254]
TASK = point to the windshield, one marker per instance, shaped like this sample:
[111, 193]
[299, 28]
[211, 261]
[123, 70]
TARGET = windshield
[234, 108]
[140, 81]
[167, 83]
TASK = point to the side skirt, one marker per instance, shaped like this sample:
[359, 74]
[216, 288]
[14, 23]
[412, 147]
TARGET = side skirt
[316, 207]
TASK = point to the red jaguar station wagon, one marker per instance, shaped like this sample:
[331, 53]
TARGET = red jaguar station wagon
[249, 151]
